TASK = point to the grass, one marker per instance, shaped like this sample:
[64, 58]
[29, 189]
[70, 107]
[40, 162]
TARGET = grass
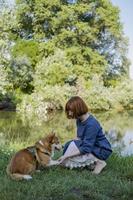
[56, 183]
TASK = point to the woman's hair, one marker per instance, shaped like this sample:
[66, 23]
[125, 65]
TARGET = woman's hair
[76, 105]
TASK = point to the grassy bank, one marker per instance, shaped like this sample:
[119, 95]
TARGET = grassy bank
[114, 183]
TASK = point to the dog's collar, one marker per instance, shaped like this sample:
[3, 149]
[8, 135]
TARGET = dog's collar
[32, 150]
[45, 152]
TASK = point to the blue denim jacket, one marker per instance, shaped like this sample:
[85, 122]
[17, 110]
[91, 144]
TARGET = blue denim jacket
[92, 139]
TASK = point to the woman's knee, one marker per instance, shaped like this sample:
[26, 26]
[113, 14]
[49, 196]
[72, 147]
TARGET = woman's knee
[66, 146]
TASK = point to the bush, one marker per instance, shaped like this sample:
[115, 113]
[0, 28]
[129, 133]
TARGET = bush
[123, 95]
[101, 98]
[21, 74]
[97, 96]
[5, 85]
[50, 98]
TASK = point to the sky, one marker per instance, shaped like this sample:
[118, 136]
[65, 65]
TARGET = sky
[126, 15]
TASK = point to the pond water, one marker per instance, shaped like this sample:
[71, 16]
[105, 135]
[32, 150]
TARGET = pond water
[17, 131]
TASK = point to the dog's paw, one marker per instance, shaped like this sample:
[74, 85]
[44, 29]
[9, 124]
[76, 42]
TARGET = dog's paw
[56, 162]
[53, 162]
[27, 177]
[38, 170]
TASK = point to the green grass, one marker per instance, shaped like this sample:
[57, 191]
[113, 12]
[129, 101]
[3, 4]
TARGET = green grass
[56, 183]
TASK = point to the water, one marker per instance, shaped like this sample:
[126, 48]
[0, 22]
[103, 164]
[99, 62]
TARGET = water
[17, 131]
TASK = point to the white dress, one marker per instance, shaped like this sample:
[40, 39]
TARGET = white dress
[78, 160]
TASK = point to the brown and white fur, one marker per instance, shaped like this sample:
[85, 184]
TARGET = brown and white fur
[24, 163]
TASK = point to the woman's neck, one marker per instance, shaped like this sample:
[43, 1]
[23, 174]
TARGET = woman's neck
[84, 117]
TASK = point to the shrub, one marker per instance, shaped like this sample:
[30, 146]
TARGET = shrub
[50, 98]
[123, 95]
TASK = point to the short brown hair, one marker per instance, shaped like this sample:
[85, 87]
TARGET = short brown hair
[77, 106]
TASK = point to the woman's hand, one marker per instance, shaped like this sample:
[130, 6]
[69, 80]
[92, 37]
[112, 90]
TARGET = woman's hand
[76, 138]
[61, 159]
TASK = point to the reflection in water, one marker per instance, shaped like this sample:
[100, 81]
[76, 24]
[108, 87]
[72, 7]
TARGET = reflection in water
[18, 129]
[123, 144]
[128, 143]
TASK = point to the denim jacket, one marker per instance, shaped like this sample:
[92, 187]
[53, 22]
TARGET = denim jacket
[92, 139]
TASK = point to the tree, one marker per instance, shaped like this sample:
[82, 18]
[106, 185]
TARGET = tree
[17, 57]
[21, 74]
[89, 31]
[5, 46]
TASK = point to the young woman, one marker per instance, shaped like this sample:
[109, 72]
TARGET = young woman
[90, 145]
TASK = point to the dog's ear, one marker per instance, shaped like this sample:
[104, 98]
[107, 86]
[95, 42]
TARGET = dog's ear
[39, 145]
[51, 137]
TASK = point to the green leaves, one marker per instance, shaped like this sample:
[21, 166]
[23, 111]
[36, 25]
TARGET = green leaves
[26, 48]
[52, 70]
[81, 24]
[46, 43]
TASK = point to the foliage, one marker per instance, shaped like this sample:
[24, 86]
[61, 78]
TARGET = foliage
[52, 70]
[89, 32]
[4, 36]
[48, 98]
[101, 98]
[56, 49]
[123, 95]
[21, 74]
[5, 47]
[98, 96]
[27, 48]
[5, 85]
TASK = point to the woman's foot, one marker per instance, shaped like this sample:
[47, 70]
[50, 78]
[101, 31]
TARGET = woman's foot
[100, 164]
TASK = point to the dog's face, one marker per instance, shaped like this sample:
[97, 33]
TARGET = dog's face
[56, 143]
[50, 143]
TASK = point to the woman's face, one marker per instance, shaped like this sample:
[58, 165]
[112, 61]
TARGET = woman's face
[70, 114]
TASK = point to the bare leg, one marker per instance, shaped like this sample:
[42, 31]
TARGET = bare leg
[100, 164]
[72, 150]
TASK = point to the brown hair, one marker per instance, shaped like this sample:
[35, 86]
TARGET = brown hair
[77, 106]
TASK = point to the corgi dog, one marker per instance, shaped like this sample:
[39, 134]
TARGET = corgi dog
[28, 160]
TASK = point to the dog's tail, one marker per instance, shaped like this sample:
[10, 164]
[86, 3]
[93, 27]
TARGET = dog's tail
[17, 176]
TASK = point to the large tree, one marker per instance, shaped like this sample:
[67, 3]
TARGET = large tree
[89, 31]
